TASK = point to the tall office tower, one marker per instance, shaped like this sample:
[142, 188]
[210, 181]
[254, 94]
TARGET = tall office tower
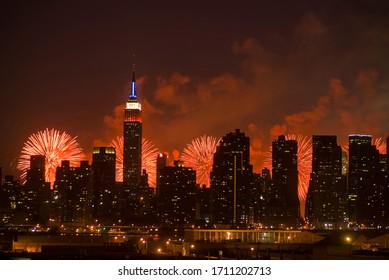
[231, 180]
[104, 200]
[62, 202]
[37, 191]
[255, 199]
[265, 197]
[13, 207]
[161, 164]
[325, 205]
[379, 216]
[285, 182]
[203, 206]
[363, 170]
[72, 194]
[144, 206]
[6, 194]
[176, 200]
[132, 145]
[83, 195]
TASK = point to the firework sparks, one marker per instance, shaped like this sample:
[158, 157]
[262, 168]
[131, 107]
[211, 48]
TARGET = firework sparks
[118, 145]
[304, 166]
[55, 146]
[380, 145]
[149, 158]
[199, 155]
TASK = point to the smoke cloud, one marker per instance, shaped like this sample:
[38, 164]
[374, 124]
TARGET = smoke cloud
[312, 86]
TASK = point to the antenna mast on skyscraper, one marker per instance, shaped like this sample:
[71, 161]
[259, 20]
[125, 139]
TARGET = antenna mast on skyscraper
[133, 84]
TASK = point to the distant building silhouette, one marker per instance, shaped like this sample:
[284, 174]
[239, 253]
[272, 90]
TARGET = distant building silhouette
[266, 195]
[364, 166]
[161, 164]
[144, 204]
[285, 202]
[105, 196]
[176, 200]
[203, 206]
[132, 145]
[72, 194]
[326, 198]
[231, 180]
[37, 192]
[13, 202]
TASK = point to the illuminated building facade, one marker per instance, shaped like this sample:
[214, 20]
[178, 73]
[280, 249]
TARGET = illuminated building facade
[325, 205]
[203, 206]
[12, 202]
[362, 184]
[37, 192]
[255, 196]
[72, 193]
[104, 200]
[161, 164]
[177, 194]
[231, 180]
[144, 205]
[363, 164]
[132, 145]
[265, 196]
[285, 183]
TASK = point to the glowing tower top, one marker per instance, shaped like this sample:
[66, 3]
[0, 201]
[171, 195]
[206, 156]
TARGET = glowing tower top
[133, 106]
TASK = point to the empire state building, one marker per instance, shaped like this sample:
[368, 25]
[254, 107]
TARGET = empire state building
[132, 150]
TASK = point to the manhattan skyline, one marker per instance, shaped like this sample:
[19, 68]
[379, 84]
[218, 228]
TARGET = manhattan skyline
[305, 68]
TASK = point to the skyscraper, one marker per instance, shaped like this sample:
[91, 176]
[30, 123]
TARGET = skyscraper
[285, 182]
[72, 194]
[177, 196]
[12, 202]
[325, 206]
[231, 180]
[104, 201]
[132, 145]
[37, 191]
[363, 170]
[161, 164]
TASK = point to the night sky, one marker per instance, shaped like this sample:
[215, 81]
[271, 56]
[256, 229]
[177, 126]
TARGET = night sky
[266, 67]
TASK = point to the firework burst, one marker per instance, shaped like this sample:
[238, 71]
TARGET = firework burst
[149, 158]
[380, 145]
[55, 146]
[304, 166]
[199, 155]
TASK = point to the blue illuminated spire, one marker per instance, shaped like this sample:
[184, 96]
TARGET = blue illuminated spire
[133, 84]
